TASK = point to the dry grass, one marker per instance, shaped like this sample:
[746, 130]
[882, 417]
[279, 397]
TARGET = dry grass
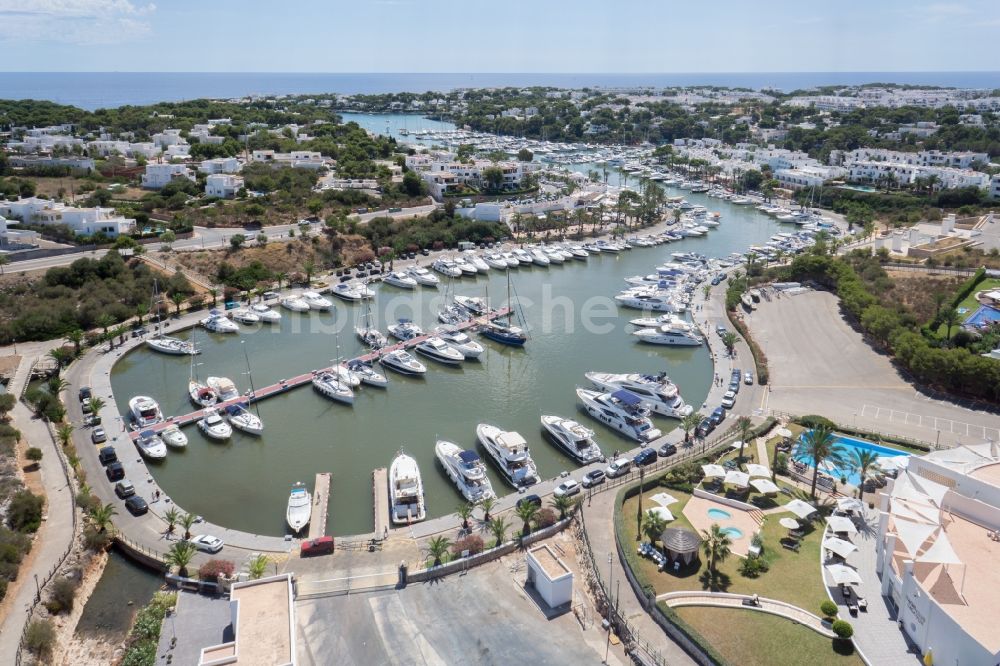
[916, 291]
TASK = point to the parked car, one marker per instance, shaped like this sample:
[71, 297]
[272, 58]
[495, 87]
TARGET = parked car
[97, 435]
[729, 399]
[124, 489]
[594, 478]
[721, 330]
[748, 378]
[107, 455]
[206, 543]
[716, 280]
[271, 295]
[530, 499]
[667, 450]
[318, 546]
[718, 416]
[85, 393]
[618, 467]
[704, 428]
[645, 457]
[136, 505]
[115, 471]
[567, 488]
[425, 252]
[736, 375]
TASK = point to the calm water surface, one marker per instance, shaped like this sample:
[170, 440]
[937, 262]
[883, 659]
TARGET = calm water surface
[244, 483]
[123, 589]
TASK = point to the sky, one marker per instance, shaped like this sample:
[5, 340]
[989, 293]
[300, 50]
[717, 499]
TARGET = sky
[614, 36]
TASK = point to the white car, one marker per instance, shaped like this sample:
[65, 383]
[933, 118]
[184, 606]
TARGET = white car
[729, 399]
[207, 543]
[567, 488]
[618, 467]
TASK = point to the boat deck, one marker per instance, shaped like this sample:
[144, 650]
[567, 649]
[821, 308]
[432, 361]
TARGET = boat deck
[380, 495]
[320, 505]
[284, 385]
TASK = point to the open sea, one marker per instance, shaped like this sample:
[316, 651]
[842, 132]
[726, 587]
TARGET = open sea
[94, 90]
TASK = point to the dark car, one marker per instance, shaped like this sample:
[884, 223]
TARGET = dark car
[721, 330]
[124, 489]
[716, 280]
[718, 416]
[591, 479]
[97, 436]
[425, 252]
[318, 546]
[645, 457]
[666, 450]
[85, 393]
[704, 428]
[115, 471]
[136, 505]
[530, 499]
[107, 455]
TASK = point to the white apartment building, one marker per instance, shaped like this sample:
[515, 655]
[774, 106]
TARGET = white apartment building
[957, 159]
[223, 185]
[870, 171]
[83, 221]
[44, 143]
[299, 159]
[464, 173]
[178, 151]
[158, 176]
[168, 137]
[808, 176]
[220, 165]
[995, 187]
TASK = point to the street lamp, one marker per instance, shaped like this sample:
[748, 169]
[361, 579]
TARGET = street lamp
[607, 599]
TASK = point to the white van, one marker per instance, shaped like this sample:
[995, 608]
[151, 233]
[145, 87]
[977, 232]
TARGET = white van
[618, 467]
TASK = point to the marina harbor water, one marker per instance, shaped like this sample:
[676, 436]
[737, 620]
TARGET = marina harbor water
[243, 483]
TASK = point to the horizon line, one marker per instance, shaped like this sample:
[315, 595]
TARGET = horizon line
[483, 73]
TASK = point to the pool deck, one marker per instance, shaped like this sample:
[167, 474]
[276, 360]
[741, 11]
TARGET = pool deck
[696, 511]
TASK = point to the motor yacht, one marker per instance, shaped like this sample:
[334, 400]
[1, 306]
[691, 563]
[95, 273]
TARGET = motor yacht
[213, 426]
[447, 268]
[653, 322]
[295, 304]
[402, 362]
[241, 418]
[299, 509]
[573, 438]
[438, 350]
[151, 446]
[406, 491]
[472, 258]
[458, 340]
[657, 392]
[224, 388]
[593, 248]
[266, 314]
[621, 410]
[317, 301]
[246, 316]
[676, 334]
[405, 330]
[400, 279]
[461, 264]
[510, 452]
[578, 252]
[513, 261]
[423, 276]
[553, 254]
[173, 346]
[523, 257]
[473, 304]
[348, 291]
[466, 470]
[539, 258]
[649, 299]
[333, 386]
[504, 333]
[496, 261]
[144, 411]
[174, 437]
[219, 323]
[609, 246]
[367, 374]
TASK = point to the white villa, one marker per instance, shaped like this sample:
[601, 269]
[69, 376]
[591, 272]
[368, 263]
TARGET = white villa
[220, 165]
[223, 185]
[83, 221]
[300, 159]
[158, 176]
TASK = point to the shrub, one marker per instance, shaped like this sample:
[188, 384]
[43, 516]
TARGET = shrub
[752, 567]
[842, 628]
[212, 569]
[95, 540]
[25, 512]
[545, 518]
[828, 608]
[472, 543]
[87, 501]
[814, 421]
[34, 454]
[40, 637]
[62, 595]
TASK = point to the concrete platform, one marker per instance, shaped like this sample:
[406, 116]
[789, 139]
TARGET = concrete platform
[380, 493]
[320, 505]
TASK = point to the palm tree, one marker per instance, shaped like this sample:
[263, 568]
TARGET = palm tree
[101, 515]
[140, 311]
[950, 317]
[526, 511]
[214, 293]
[281, 277]
[76, 337]
[706, 291]
[187, 520]
[729, 340]
[257, 566]
[498, 528]
[105, 321]
[563, 504]
[653, 525]
[171, 515]
[464, 512]
[309, 267]
[716, 545]
[820, 446]
[180, 556]
[64, 433]
[177, 298]
[56, 385]
[744, 425]
[487, 504]
[863, 460]
[437, 547]
[95, 405]
[61, 356]
[689, 423]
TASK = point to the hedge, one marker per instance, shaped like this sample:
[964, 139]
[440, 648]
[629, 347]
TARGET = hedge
[968, 287]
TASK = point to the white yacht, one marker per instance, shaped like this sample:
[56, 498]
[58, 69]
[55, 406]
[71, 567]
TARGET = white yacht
[453, 314]
[246, 316]
[348, 291]
[219, 323]
[266, 314]
[406, 491]
[466, 470]
[299, 509]
[459, 340]
[144, 411]
[438, 350]
[675, 334]
[447, 268]
[461, 264]
[496, 260]
[174, 346]
[553, 254]
[224, 388]
[423, 276]
[402, 362]
[473, 304]
[654, 300]
[578, 252]
[510, 452]
[295, 304]
[476, 261]
[653, 322]
[538, 257]
[316, 301]
[333, 386]
[367, 374]
[523, 257]
[213, 426]
[573, 438]
[243, 419]
[404, 330]
[609, 246]
[656, 391]
[173, 436]
[400, 279]
[513, 261]
[621, 410]
[200, 394]
[151, 446]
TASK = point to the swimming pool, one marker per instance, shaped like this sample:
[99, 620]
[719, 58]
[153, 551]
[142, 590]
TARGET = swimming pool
[982, 316]
[857, 188]
[849, 446]
[719, 514]
[733, 532]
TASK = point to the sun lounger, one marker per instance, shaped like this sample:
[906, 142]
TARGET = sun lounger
[791, 545]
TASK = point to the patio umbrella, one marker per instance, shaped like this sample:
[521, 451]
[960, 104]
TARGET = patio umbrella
[801, 509]
[850, 504]
[843, 574]
[789, 523]
[663, 499]
[663, 512]
[841, 524]
[765, 486]
[783, 432]
[755, 470]
[839, 546]
[736, 445]
[738, 479]
[712, 471]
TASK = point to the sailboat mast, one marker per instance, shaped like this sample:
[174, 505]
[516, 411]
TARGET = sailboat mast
[253, 396]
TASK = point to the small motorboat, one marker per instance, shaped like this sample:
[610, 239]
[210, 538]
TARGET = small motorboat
[213, 426]
[266, 314]
[460, 341]
[316, 301]
[438, 350]
[405, 330]
[246, 316]
[496, 261]
[145, 411]
[473, 259]
[217, 322]
[476, 306]
[464, 266]
[201, 395]
[174, 346]
[295, 304]
[224, 388]
[299, 508]
[400, 279]
[539, 258]
[406, 491]
[174, 437]
[333, 386]
[368, 374]
[151, 446]
[447, 268]
[243, 419]
[402, 362]
[348, 291]
[423, 276]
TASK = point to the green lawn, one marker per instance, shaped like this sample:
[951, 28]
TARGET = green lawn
[970, 304]
[750, 638]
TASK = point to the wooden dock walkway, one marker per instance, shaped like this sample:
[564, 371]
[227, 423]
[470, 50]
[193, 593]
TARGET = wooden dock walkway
[320, 505]
[380, 497]
[284, 385]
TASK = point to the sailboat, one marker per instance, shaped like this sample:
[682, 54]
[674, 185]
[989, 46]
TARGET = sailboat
[367, 332]
[201, 394]
[166, 344]
[336, 383]
[505, 332]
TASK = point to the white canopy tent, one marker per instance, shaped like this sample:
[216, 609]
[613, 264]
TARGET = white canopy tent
[850, 504]
[662, 512]
[713, 471]
[737, 478]
[839, 546]
[801, 509]
[843, 574]
[913, 535]
[765, 486]
[663, 499]
[841, 524]
[783, 432]
[789, 523]
[756, 470]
